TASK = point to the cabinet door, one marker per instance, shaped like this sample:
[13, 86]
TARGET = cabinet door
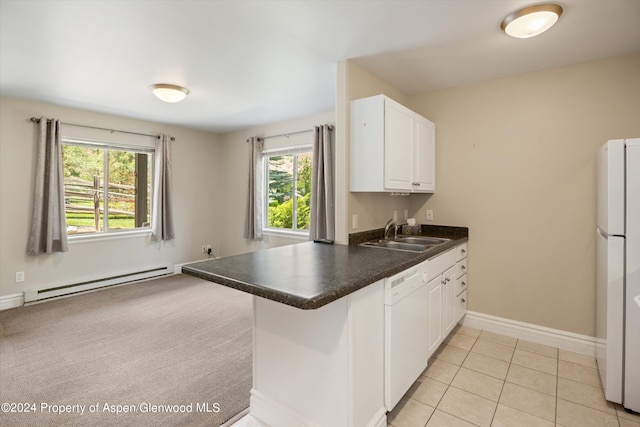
[424, 167]
[449, 303]
[435, 328]
[367, 144]
[398, 146]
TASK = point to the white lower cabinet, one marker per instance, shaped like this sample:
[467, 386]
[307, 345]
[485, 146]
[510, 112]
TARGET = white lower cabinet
[461, 307]
[449, 305]
[423, 303]
[441, 271]
[461, 282]
[434, 310]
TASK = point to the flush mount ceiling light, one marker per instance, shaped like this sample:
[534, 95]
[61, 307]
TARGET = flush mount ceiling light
[531, 21]
[169, 93]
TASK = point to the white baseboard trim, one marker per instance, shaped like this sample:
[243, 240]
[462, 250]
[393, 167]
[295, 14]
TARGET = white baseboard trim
[237, 417]
[380, 419]
[11, 301]
[273, 413]
[564, 340]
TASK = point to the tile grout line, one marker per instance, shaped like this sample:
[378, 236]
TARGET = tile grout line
[504, 382]
[468, 352]
[449, 385]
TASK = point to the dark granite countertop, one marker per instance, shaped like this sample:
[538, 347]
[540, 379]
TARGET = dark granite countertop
[309, 275]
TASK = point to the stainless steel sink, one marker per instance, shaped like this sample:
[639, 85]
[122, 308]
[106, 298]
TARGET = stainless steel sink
[408, 243]
[422, 240]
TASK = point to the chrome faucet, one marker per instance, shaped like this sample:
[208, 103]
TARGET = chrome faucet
[387, 226]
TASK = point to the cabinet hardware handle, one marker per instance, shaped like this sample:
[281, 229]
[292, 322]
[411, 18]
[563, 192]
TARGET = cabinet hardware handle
[464, 284]
[448, 279]
[463, 251]
[463, 300]
[463, 267]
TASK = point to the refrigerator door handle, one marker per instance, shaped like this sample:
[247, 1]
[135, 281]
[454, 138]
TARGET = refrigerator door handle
[606, 235]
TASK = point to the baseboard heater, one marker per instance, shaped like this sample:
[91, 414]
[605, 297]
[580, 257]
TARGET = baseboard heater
[73, 288]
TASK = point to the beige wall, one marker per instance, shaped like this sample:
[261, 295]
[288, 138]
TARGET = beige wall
[197, 216]
[516, 163]
[209, 180]
[233, 183]
[373, 209]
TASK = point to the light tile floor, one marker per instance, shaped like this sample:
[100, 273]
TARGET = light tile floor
[478, 378]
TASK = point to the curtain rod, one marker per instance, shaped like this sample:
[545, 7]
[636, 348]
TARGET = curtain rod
[37, 120]
[288, 134]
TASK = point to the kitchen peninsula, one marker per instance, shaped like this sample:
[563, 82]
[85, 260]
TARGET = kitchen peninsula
[318, 321]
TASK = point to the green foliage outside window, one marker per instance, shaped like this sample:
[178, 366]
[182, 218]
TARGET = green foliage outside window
[283, 172]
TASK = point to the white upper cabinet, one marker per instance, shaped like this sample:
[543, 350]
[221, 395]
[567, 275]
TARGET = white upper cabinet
[392, 147]
[424, 156]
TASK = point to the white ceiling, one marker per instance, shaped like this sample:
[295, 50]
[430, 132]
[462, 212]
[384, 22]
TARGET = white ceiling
[254, 62]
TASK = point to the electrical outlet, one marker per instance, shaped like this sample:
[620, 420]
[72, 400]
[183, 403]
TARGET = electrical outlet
[354, 221]
[395, 216]
[19, 276]
[209, 248]
[406, 214]
[429, 215]
[204, 249]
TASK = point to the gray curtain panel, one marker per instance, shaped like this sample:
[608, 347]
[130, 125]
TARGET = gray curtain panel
[162, 213]
[48, 222]
[322, 201]
[253, 218]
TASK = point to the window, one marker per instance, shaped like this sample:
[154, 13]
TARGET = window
[123, 204]
[288, 189]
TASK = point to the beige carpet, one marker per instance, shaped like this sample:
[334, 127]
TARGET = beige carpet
[177, 341]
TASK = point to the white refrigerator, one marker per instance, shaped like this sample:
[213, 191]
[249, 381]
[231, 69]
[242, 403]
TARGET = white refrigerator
[618, 271]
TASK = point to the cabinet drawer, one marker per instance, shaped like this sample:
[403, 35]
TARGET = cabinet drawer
[439, 264]
[461, 284]
[461, 267]
[461, 252]
[461, 306]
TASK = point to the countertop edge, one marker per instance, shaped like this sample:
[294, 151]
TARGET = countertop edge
[324, 298]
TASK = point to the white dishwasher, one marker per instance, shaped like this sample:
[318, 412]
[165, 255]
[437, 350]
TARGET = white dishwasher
[406, 347]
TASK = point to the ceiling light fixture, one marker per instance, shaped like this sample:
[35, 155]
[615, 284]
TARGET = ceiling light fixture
[531, 21]
[169, 93]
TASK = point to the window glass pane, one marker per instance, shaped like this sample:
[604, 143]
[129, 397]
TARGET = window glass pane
[83, 183]
[280, 191]
[128, 191]
[289, 190]
[121, 194]
[303, 189]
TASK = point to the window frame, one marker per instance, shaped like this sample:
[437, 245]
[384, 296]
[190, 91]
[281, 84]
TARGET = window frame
[274, 152]
[107, 233]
